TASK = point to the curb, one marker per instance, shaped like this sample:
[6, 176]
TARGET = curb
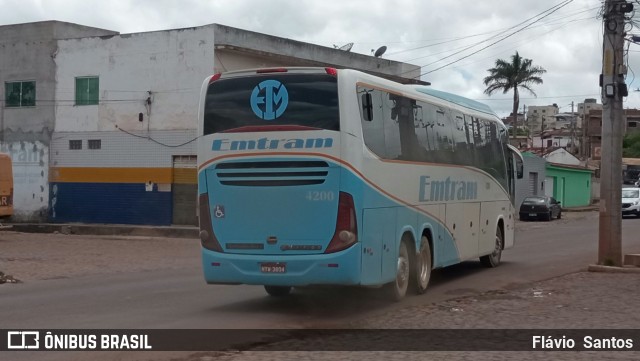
[609, 269]
[581, 209]
[108, 230]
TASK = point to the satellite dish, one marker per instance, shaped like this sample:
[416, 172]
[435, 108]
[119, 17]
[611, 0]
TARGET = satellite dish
[346, 47]
[380, 51]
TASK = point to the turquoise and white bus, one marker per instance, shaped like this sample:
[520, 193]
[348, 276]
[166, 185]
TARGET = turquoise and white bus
[319, 176]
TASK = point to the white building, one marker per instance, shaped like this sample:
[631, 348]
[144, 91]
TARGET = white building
[561, 156]
[557, 138]
[540, 118]
[584, 108]
[121, 112]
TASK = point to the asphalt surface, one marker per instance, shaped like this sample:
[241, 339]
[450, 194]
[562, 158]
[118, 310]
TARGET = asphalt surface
[176, 296]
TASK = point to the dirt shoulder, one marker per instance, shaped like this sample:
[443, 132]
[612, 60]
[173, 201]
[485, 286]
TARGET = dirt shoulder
[31, 256]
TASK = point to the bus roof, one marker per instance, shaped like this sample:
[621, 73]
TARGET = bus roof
[456, 99]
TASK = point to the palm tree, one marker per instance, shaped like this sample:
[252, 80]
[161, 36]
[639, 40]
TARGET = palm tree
[519, 73]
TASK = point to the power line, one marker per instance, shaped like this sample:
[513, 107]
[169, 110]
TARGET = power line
[511, 46]
[508, 47]
[549, 97]
[552, 9]
[556, 7]
[156, 141]
[450, 40]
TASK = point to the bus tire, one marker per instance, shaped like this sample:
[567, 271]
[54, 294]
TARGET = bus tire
[423, 266]
[397, 289]
[493, 259]
[278, 291]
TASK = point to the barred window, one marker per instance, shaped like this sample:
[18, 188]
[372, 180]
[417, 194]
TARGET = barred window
[75, 144]
[95, 143]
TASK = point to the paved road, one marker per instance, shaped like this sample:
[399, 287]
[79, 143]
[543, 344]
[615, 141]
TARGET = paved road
[178, 298]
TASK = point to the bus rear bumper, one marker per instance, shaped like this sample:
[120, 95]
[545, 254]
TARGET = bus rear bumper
[340, 268]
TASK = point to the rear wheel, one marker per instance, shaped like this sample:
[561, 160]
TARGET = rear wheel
[493, 259]
[278, 291]
[397, 289]
[422, 269]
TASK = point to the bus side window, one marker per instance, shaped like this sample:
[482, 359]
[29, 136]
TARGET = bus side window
[519, 168]
[367, 107]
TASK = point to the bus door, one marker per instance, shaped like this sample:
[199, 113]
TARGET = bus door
[515, 169]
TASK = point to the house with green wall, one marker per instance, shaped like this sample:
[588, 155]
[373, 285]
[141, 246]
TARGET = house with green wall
[568, 184]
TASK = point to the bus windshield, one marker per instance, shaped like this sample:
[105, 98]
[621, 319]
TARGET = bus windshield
[310, 101]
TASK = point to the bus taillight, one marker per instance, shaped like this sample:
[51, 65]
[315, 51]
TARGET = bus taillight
[331, 71]
[346, 233]
[215, 77]
[207, 237]
[272, 70]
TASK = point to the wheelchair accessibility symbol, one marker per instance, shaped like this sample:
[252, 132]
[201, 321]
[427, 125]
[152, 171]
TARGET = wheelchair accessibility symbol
[218, 212]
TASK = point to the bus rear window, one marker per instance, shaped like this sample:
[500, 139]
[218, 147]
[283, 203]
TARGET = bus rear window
[308, 101]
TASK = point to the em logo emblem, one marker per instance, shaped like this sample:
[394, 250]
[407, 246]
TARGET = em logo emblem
[269, 99]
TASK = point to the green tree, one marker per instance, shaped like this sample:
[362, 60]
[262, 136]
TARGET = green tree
[631, 145]
[507, 76]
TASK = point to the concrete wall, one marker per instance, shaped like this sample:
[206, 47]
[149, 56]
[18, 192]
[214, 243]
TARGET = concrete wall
[27, 53]
[158, 74]
[532, 165]
[561, 156]
[129, 180]
[283, 51]
[595, 188]
[30, 179]
[572, 187]
[541, 116]
[226, 60]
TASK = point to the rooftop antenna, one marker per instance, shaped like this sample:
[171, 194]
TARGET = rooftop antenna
[346, 47]
[380, 51]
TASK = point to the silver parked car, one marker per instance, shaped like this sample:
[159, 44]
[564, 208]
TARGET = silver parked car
[631, 201]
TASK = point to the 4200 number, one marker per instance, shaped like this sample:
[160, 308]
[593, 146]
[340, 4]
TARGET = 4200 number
[320, 196]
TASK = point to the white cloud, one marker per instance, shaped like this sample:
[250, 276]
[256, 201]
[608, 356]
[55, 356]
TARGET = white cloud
[568, 43]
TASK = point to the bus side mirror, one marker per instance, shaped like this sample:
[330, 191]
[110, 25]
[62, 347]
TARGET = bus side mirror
[367, 107]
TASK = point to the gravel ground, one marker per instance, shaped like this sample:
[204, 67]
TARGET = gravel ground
[580, 300]
[32, 256]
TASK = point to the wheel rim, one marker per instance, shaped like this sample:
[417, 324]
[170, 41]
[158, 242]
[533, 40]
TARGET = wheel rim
[424, 269]
[498, 250]
[402, 276]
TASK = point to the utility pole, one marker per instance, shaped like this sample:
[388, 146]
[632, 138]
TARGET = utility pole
[525, 124]
[574, 120]
[613, 90]
[541, 133]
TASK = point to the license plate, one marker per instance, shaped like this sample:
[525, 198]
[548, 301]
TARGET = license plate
[532, 214]
[273, 267]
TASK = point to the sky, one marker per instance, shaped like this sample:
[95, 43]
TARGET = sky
[454, 42]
